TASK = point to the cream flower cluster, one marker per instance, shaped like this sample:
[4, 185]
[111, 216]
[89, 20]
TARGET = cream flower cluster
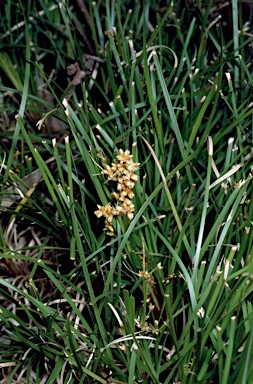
[122, 171]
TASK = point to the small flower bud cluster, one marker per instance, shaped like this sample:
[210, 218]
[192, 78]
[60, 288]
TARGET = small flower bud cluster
[122, 171]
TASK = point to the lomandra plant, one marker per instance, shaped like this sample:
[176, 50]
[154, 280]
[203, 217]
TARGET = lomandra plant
[157, 143]
[121, 171]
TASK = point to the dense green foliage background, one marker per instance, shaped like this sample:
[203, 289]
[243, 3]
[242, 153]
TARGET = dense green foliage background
[168, 298]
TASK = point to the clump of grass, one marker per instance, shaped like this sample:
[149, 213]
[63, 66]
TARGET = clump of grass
[167, 298]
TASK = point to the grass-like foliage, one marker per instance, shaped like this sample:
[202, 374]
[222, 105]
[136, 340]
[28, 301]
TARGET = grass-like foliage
[142, 113]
